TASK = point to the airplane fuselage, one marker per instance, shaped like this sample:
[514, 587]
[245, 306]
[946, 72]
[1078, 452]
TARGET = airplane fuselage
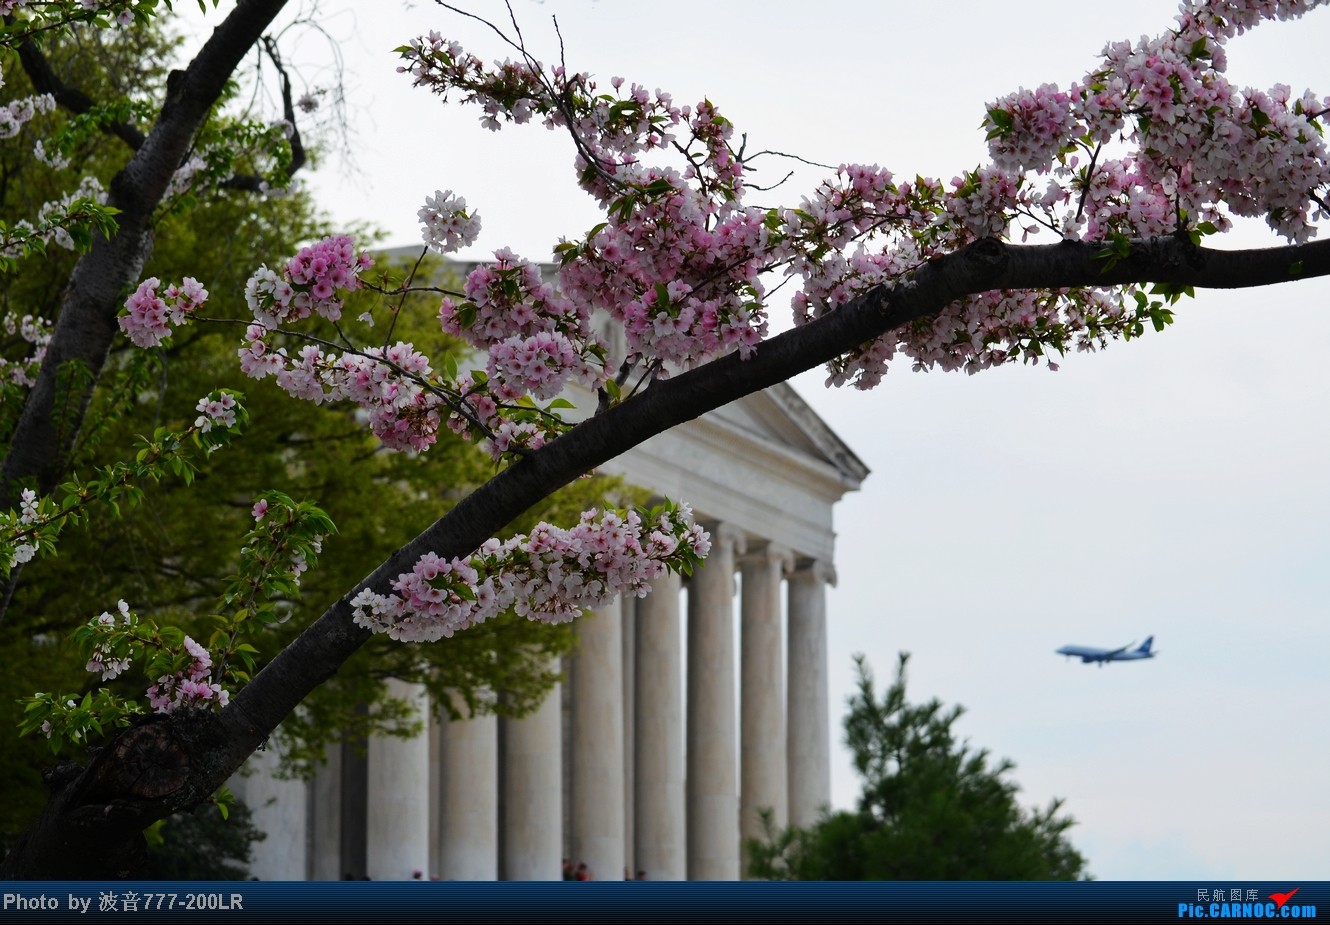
[1088, 654]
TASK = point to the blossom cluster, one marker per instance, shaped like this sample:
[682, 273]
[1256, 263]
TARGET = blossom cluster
[447, 226]
[185, 672]
[28, 514]
[185, 176]
[150, 313]
[308, 283]
[535, 338]
[17, 113]
[219, 411]
[677, 263]
[678, 259]
[679, 276]
[502, 431]
[1194, 151]
[113, 641]
[992, 328]
[53, 159]
[550, 575]
[394, 384]
[615, 127]
[107, 658]
[536, 342]
[1030, 128]
[387, 383]
[51, 215]
[189, 686]
[57, 220]
[123, 9]
[36, 333]
[1197, 144]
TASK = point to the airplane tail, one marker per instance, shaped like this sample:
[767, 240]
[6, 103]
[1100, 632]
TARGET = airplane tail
[1145, 646]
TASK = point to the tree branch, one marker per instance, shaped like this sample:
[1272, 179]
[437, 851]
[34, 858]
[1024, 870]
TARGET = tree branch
[86, 327]
[251, 183]
[103, 808]
[983, 266]
[45, 80]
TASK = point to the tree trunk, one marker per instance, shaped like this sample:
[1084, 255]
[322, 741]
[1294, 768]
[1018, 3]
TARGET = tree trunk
[105, 275]
[107, 272]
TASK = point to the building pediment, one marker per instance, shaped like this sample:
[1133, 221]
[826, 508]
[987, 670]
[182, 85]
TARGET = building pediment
[780, 418]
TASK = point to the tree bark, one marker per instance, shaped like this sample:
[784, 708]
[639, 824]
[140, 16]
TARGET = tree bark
[92, 824]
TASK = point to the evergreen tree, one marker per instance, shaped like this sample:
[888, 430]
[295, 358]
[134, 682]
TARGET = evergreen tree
[202, 844]
[931, 808]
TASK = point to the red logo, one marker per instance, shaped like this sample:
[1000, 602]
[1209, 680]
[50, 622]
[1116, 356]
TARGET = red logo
[1281, 898]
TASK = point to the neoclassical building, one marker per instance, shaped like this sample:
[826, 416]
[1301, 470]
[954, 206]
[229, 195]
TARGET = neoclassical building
[679, 717]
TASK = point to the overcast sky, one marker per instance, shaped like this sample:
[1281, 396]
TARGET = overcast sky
[1173, 486]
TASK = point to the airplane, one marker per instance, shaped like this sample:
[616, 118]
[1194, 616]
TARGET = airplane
[1089, 654]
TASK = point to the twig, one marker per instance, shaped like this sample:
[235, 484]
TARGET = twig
[794, 157]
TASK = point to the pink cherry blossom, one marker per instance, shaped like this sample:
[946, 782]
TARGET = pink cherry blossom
[446, 223]
[217, 410]
[307, 284]
[149, 315]
[550, 575]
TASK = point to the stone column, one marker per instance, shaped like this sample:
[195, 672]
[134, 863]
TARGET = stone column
[325, 818]
[628, 655]
[711, 786]
[277, 807]
[469, 796]
[397, 819]
[809, 708]
[435, 838]
[355, 805]
[658, 742]
[532, 793]
[597, 731]
[762, 774]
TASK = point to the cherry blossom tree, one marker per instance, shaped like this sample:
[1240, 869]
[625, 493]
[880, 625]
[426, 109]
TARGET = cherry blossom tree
[1130, 171]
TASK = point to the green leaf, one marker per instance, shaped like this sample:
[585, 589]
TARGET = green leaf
[1002, 123]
